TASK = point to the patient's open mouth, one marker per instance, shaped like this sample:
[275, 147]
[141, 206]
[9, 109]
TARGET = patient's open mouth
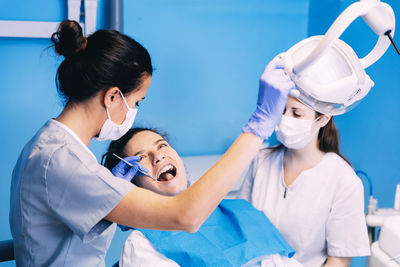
[168, 172]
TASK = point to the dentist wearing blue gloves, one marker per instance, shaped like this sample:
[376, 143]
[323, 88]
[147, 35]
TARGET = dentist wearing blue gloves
[64, 204]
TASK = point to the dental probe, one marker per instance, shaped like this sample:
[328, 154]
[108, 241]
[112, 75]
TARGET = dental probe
[130, 164]
[395, 258]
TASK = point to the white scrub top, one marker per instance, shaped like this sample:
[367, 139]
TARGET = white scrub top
[138, 251]
[59, 197]
[321, 213]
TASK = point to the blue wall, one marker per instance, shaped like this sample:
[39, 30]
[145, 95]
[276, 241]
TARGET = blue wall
[369, 133]
[208, 57]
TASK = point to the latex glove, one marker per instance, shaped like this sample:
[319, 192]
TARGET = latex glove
[124, 228]
[126, 172]
[274, 88]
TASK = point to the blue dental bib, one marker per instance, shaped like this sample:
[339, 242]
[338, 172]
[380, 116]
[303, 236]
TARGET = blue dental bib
[234, 234]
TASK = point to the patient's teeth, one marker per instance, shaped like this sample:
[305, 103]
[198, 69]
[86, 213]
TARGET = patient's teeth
[166, 168]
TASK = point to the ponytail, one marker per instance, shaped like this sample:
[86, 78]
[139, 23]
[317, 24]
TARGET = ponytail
[328, 139]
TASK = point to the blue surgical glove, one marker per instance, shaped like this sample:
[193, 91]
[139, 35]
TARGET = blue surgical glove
[124, 228]
[274, 88]
[126, 172]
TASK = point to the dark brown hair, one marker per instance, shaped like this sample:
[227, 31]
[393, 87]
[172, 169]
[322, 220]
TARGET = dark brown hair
[105, 59]
[118, 146]
[328, 138]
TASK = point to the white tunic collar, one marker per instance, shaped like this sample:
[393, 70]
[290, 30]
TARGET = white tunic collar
[74, 136]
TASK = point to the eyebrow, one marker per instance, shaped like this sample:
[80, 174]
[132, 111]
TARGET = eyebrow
[297, 109]
[155, 143]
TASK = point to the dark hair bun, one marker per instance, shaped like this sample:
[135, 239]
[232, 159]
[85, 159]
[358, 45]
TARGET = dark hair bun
[105, 59]
[69, 39]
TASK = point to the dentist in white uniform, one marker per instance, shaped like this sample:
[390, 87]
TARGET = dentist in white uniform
[309, 191]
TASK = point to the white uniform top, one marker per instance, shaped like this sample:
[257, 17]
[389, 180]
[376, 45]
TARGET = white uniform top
[139, 252]
[321, 213]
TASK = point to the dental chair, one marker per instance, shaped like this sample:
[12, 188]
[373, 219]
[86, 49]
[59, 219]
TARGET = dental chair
[385, 252]
[6, 250]
[196, 166]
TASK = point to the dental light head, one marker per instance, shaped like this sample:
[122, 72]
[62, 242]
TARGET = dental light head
[329, 76]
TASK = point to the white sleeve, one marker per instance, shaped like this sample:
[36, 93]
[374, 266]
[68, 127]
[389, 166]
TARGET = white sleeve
[247, 185]
[346, 229]
[139, 252]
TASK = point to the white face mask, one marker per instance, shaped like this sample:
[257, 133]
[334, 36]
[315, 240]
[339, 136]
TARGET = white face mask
[113, 131]
[295, 133]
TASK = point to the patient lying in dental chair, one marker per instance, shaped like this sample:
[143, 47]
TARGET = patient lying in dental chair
[235, 234]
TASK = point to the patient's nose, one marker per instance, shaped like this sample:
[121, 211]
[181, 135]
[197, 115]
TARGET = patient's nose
[158, 157]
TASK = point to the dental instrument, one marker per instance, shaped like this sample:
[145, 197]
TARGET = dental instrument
[385, 251]
[329, 76]
[372, 202]
[385, 243]
[130, 164]
[395, 258]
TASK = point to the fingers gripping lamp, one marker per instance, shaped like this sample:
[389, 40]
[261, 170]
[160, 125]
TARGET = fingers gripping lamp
[329, 76]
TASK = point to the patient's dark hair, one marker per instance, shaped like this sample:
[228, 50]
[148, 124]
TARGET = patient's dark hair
[118, 146]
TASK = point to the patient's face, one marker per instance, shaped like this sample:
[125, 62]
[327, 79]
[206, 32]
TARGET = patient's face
[162, 161]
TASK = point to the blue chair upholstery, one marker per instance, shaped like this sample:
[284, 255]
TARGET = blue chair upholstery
[6, 250]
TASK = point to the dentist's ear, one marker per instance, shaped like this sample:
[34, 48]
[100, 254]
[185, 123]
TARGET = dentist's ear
[110, 96]
[323, 120]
